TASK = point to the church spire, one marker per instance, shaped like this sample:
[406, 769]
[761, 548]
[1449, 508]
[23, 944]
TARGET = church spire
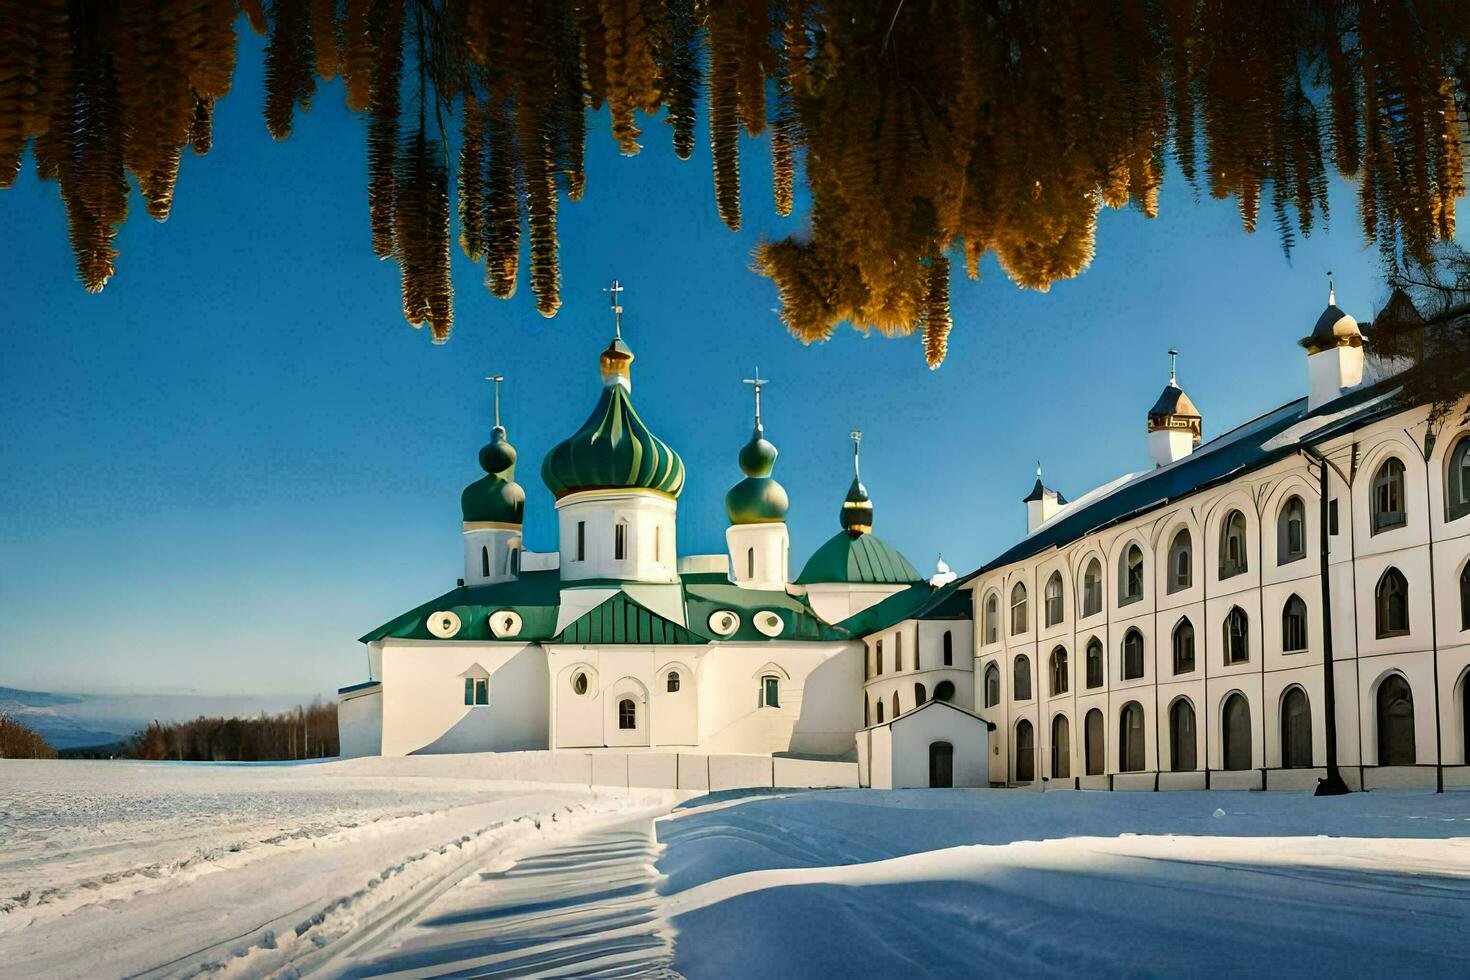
[857, 509]
[757, 499]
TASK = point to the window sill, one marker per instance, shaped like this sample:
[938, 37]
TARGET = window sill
[1129, 601]
[1390, 634]
[1291, 559]
[1384, 528]
[1293, 653]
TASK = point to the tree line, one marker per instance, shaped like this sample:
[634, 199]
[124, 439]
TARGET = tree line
[307, 732]
[19, 742]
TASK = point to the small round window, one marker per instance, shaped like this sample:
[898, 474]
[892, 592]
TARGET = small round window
[579, 683]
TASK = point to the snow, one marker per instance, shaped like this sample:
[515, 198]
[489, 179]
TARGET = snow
[112, 868]
[955, 881]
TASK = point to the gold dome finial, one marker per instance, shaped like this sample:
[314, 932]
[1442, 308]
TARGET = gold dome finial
[617, 360]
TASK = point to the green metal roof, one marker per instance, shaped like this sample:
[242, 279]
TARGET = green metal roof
[534, 597]
[861, 559]
[622, 619]
[613, 449]
[709, 593]
[917, 602]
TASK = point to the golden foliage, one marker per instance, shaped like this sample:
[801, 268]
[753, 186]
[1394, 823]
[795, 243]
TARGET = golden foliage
[923, 129]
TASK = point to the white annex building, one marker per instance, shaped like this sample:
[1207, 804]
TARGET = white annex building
[1163, 631]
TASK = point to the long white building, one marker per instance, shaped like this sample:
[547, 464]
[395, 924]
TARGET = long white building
[1163, 631]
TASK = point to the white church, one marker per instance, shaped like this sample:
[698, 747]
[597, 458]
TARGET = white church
[1165, 630]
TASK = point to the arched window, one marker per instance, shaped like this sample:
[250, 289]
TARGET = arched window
[1395, 722]
[1021, 686]
[1457, 482]
[1094, 663]
[867, 713]
[1465, 605]
[1092, 737]
[897, 652]
[1130, 738]
[1130, 575]
[658, 547]
[992, 685]
[878, 658]
[948, 648]
[1388, 496]
[992, 618]
[1296, 730]
[1132, 655]
[771, 693]
[672, 684]
[917, 647]
[484, 562]
[920, 695]
[1291, 531]
[1025, 752]
[515, 561]
[1018, 609]
[627, 715]
[1054, 599]
[1183, 646]
[1092, 589]
[620, 541]
[879, 707]
[1182, 753]
[750, 563]
[1235, 728]
[1061, 748]
[579, 684]
[896, 709]
[1181, 561]
[1392, 603]
[944, 690]
[1232, 545]
[1294, 625]
[1237, 636]
[1058, 671]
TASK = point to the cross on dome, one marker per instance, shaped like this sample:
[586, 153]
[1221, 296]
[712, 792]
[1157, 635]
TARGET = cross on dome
[1331, 290]
[857, 441]
[614, 297]
[1173, 367]
[755, 382]
[497, 378]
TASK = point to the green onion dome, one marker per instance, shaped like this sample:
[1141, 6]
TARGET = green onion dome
[757, 499]
[857, 510]
[613, 450]
[496, 497]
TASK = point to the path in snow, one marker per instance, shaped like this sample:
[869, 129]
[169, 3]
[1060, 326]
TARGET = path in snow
[585, 908]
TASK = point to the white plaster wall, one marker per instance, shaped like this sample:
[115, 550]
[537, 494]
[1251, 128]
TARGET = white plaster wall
[771, 545]
[820, 698]
[835, 602]
[423, 697]
[1331, 372]
[652, 547]
[360, 725]
[500, 540]
[912, 735]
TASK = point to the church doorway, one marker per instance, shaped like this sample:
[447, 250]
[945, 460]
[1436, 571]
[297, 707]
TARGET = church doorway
[941, 765]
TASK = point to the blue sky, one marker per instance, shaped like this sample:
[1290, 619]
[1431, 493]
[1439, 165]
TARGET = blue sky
[237, 458]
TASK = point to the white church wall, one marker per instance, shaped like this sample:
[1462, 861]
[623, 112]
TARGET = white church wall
[650, 545]
[912, 735]
[836, 601]
[820, 695]
[423, 697]
[360, 724]
[759, 555]
[674, 715]
[632, 672]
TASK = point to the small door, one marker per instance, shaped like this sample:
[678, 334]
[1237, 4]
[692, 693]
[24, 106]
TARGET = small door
[941, 765]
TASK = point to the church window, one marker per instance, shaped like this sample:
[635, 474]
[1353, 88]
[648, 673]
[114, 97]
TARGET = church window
[948, 648]
[992, 685]
[920, 695]
[879, 707]
[1392, 595]
[484, 562]
[1092, 589]
[1054, 599]
[1132, 655]
[992, 618]
[944, 690]
[1457, 490]
[1465, 611]
[579, 684]
[1130, 738]
[898, 651]
[620, 541]
[1183, 646]
[1018, 609]
[1059, 671]
[896, 709]
[1021, 686]
[879, 671]
[1094, 663]
[750, 563]
[1237, 636]
[1291, 533]
[867, 713]
[1232, 545]
[1388, 496]
[1294, 625]
[627, 715]
[476, 690]
[658, 543]
[1130, 576]
[581, 541]
[515, 561]
[672, 685]
[1181, 566]
[770, 692]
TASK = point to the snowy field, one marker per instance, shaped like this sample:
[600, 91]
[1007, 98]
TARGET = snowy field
[959, 882]
[419, 867]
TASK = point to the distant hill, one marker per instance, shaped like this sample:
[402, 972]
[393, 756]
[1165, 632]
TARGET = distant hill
[79, 720]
